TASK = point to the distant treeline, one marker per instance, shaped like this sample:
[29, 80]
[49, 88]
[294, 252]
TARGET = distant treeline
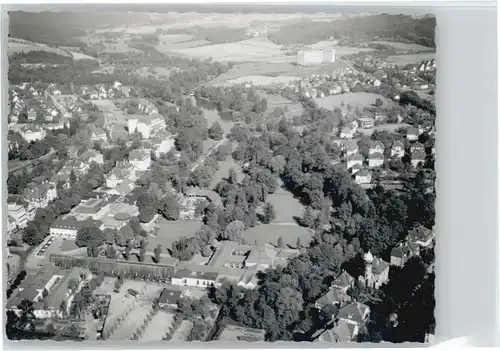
[40, 56]
[359, 29]
[62, 28]
[215, 35]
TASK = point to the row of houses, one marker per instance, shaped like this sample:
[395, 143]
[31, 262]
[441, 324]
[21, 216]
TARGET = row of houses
[106, 91]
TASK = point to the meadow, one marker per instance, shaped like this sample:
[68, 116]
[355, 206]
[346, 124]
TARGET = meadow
[360, 99]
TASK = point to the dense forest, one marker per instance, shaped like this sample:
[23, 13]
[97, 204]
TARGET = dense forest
[359, 29]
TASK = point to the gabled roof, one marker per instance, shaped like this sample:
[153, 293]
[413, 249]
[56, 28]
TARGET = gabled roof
[355, 157]
[379, 265]
[376, 156]
[363, 173]
[354, 312]
[398, 143]
[343, 331]
[333, 296]
[170, 296]
[343, 280]
[418, 155]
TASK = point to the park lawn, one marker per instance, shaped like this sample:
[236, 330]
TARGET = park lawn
[170, 231]
[402, 60]
[269, 233]
[158, 327]
[286, 206]
[223, 171]
[213, 116]
[360, 99]
[67, 245]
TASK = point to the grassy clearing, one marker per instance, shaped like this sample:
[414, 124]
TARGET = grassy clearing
[183, 332]
[355, 99]
[223, 171]
[269, 234]
[213, 116]
[387, 127]
[170, 231]
[404, 46]
[287, 207]
[19, 45]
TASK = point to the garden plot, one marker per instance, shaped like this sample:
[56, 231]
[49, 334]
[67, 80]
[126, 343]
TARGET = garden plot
[183, 331]
[158, 327]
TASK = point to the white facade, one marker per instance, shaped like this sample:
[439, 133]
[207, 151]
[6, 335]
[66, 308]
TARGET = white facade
[18, 212]
[397, 151]
[164, 147]
[146, 129]
[351, 162]
[305, 58]
[142, 163]
[33, 135]
[416, 162]
[375, 162]
[69, 232]
[190, 281]
[363, 178]
[328, 55]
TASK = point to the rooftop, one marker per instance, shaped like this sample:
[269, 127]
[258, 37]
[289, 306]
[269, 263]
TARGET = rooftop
[170, 295]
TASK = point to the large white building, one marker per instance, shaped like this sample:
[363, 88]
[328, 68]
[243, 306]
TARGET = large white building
[306, 58]
[328, 55]
[146, 125]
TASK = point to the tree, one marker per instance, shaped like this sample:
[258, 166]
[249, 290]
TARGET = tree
[269, 213]
[234, 231]
[157, 252]
[298, 245]
[72, 178]
[233, 176]
[215, 132]
[281, 243]
[111, 252]
[89, 235]
[169, 207]
[142, 253]
[32, 236]
[308, 217]
[184, 249]
[378, 102]
[147, 208]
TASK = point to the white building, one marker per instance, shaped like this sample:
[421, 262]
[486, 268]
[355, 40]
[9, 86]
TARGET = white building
[18, 212]
[186, 277]
[306, 58]
[140, 159]
[363, 177]
[397, 149]
[375, 160]
[328, 55]
[146, 126]
[353, 160]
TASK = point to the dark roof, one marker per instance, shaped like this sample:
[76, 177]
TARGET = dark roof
[344, 280]
[333, 296]
[353, 311]
[379, 265]
[170, 296]
[72, 223]
[209, 194]
[376, 156]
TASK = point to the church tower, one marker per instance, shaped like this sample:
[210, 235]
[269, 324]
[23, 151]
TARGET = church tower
[368, 258]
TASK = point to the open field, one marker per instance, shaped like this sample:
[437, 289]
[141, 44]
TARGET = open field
[269, 234]
[286, 206]
[275, 69]
[20, 45]
[401, 60]
[170, 231]
[355, 99]
[263, 80]
[214, 116]
[339, 50]
[169, 42]
[274, 101]
[404, 46]
[256, 49]
[223, 171]
[158, 327]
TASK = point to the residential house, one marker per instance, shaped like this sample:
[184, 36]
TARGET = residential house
[412, 134]
[404, 251]
[147, 107]
[163, 145]
[356, 168]
[376, 147]
[32, 115]
[146, 125]
[366, 122]
[90, 156]
[355, 314]
[118, 132]
[39, 195]
[397, 149]
[363, 177]
[32, 132]
[123, 171]
[354, 160]
[50, 291]
[350, 147]
[125, 91]
[417, 147]
[169, 297]
[93, 208]
[421, 236]
[98, 134]
[11, 225]
[205, 194]
[376, 271]
[347, 132]
[417, 158]
[140, 159]
[18, 212]
[375, 160]
[342, 332]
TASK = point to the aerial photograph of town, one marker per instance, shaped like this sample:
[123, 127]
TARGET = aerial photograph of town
[220, 173]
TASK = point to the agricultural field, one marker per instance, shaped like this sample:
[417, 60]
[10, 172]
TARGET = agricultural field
[170, 231]
[276, 70]
[339, 50]
[20, 45]
[360, 99]
[170, 42]
[402, 60]
[404, 46]
[263, 80]
[256, 49]
[158, 327]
